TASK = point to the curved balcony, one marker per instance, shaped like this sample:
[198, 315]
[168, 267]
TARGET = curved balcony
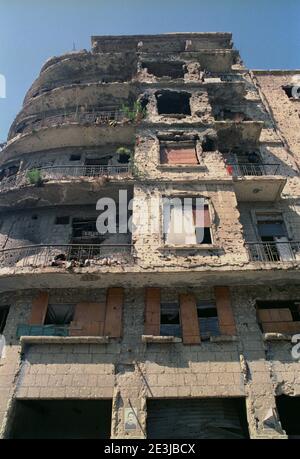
[83, 67]
[73, 98]
[274, 252]
[59, 179]
[66, 255]
[51, 173]
[70, 135]
[98, 117]
[256, 181]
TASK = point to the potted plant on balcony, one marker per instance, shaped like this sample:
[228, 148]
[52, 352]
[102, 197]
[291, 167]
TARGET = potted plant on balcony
[124, 155]
[34, 177]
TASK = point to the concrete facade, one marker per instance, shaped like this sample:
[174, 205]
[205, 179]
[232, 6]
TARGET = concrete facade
[63, 154]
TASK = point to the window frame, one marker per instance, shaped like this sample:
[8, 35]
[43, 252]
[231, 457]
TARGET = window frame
[165, 244]
[179, 317]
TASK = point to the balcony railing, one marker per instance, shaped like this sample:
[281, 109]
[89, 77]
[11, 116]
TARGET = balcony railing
[62, 172]
[252, 169]
[268, 252]
[66, 255]
[97, 117]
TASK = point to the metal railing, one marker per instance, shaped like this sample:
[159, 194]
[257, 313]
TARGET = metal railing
[97, 117]
[278, 252]
[66, 255]
[62, 172]
[252, 169]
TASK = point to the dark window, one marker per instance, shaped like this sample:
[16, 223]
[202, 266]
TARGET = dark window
[289, 91]
[165, 69]
[84, 231]
[62, 220]
[229, 115]
[203, 234]
[75, 157]
[288, 409]
[34, 217]
[59, 314]
[3, 316]
[170, 319]
[172, 102]
[97, 161]
[208, 144]
[208, 319]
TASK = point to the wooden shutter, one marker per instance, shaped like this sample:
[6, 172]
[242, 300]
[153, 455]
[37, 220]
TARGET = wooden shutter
[114, 308]
[88, 320]
[152, 311]
[189, 319]
[39, 309]
[225, 314]
[179, 156]
[275, 315]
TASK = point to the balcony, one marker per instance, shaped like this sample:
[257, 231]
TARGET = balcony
[109, 117]
[256, 181]
[56, 173]
[274, 252]
[66, 255]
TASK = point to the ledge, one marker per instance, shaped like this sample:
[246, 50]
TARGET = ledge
[64, 340]
[161, 339]
[223, 339]
[277, 337]
[190, 247]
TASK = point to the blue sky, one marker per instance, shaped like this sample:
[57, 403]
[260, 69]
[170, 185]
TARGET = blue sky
[267, 32]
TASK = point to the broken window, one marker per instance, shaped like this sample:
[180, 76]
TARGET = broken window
[273, 234]
[94, 166]
[9, 171]
[170, 319]
[288, 409]
[3, 316]
[62, 220]
[279, 316]
[208, 144]
[165, 69]
[197, 418]
[84, 231]
[186, 224]
[292, 92]
[61, 419]
[178, 153]
[173, 103]
[230, 115]
[75, 157]
[59, 314]
[208, 319]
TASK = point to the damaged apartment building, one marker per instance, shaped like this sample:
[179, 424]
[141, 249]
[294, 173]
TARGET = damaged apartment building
[138, 334]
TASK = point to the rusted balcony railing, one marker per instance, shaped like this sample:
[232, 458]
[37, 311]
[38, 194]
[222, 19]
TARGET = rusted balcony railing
[62, 172]
[252, 169]
[66, 255]
[97, 117]
[268, 252]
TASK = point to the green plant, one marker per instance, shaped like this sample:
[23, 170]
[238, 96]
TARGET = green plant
[124, 154]
[34, 177]
[135, 113]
